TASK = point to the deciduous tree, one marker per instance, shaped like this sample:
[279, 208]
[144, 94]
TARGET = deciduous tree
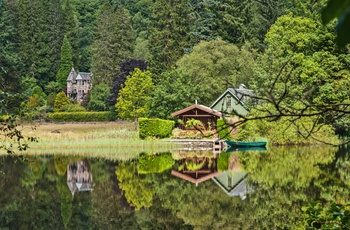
[134, 98]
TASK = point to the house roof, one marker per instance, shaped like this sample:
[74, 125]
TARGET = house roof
[194, 180]
[239, 188]
[242, 94]
[73, 75]
[197, 106]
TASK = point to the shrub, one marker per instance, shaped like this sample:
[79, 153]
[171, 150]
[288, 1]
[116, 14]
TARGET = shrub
[80, 116]
[155, 127]
[223, 130]
[73, 108]
[60, 101]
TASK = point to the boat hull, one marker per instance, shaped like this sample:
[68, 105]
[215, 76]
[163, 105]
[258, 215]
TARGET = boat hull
[241, 144]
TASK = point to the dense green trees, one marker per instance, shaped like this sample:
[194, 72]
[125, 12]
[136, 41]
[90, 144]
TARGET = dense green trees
[134, 98]
[279, 49]
[214, 66]
[112, 43]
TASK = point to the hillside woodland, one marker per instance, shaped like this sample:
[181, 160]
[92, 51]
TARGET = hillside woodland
[154, 57]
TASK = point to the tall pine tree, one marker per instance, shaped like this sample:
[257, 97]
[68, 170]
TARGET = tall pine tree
[66, 63]
[34, 49]
[70, 28]
[113, 43]
[169, 34]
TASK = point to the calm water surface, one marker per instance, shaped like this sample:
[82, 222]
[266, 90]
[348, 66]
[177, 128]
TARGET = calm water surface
[179, 190]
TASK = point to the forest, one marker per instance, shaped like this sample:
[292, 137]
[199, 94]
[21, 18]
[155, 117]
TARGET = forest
[150, 58]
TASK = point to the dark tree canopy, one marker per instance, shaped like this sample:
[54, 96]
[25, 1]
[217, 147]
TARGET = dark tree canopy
[126, 67]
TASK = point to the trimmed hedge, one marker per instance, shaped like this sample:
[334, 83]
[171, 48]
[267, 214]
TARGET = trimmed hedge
[81, 116]
[223, 130]
[155, 127]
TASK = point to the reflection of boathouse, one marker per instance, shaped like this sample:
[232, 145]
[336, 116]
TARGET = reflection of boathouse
[79, 176]
[196, 169]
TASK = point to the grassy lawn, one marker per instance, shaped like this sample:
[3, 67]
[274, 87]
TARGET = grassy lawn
[113, 140]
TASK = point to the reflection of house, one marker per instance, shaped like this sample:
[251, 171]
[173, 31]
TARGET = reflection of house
[233, 100]
[205, 114]
[196, 169]
[233, 184]
[79, 177]
[78, 85]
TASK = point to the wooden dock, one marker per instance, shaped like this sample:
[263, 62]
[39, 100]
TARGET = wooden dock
[216, 146]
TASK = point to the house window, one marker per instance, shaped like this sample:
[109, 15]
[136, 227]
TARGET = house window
[228, 102]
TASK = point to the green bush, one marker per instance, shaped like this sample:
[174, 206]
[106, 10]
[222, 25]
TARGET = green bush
[155, 127]
[80, 116]
[154, 163]
[223, 130]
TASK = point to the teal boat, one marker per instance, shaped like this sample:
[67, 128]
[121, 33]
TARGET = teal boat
[243, 149]
[242, 144]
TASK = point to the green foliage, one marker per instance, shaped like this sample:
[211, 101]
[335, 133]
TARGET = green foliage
[134, 98]
[51, 100]
[334, 216]
[138, 189]
[60, 100]
[81, 116]
[340, 10]
[33, 102]
[223, 161]
[39, 91]
[223, 129]
[61, 164]
[73, 108]
[174, 93]
[287, 164]
[154, 163]
[99, 98]
[112, 43]
[154, 127]
[168, 45]
[66, 199]
[286, 131]
[214, 66]
[194, 123]
[66, 63]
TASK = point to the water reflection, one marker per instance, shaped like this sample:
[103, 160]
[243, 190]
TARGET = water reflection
[196, 169]
[79, 176]
[144, 193]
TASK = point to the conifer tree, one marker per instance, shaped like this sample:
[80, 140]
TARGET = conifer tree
[54, 29]
[169, 33]
[112, 43]
[33, 44]
[9, 59]
[66, 63]
[70, 29]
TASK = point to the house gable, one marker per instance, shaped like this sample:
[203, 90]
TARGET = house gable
[229, 102]
[202, 113]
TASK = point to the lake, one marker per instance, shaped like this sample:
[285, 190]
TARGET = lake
[172, 190]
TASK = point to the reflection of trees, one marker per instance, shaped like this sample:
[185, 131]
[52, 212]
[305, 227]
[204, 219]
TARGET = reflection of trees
[285, 179]
[297, 167]
[154, 163]
[203, 207]
[138, 188]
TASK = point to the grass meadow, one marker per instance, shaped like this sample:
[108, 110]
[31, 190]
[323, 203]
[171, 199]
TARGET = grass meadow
[112, 140]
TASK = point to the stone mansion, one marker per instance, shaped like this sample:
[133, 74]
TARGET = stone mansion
[78, 85]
